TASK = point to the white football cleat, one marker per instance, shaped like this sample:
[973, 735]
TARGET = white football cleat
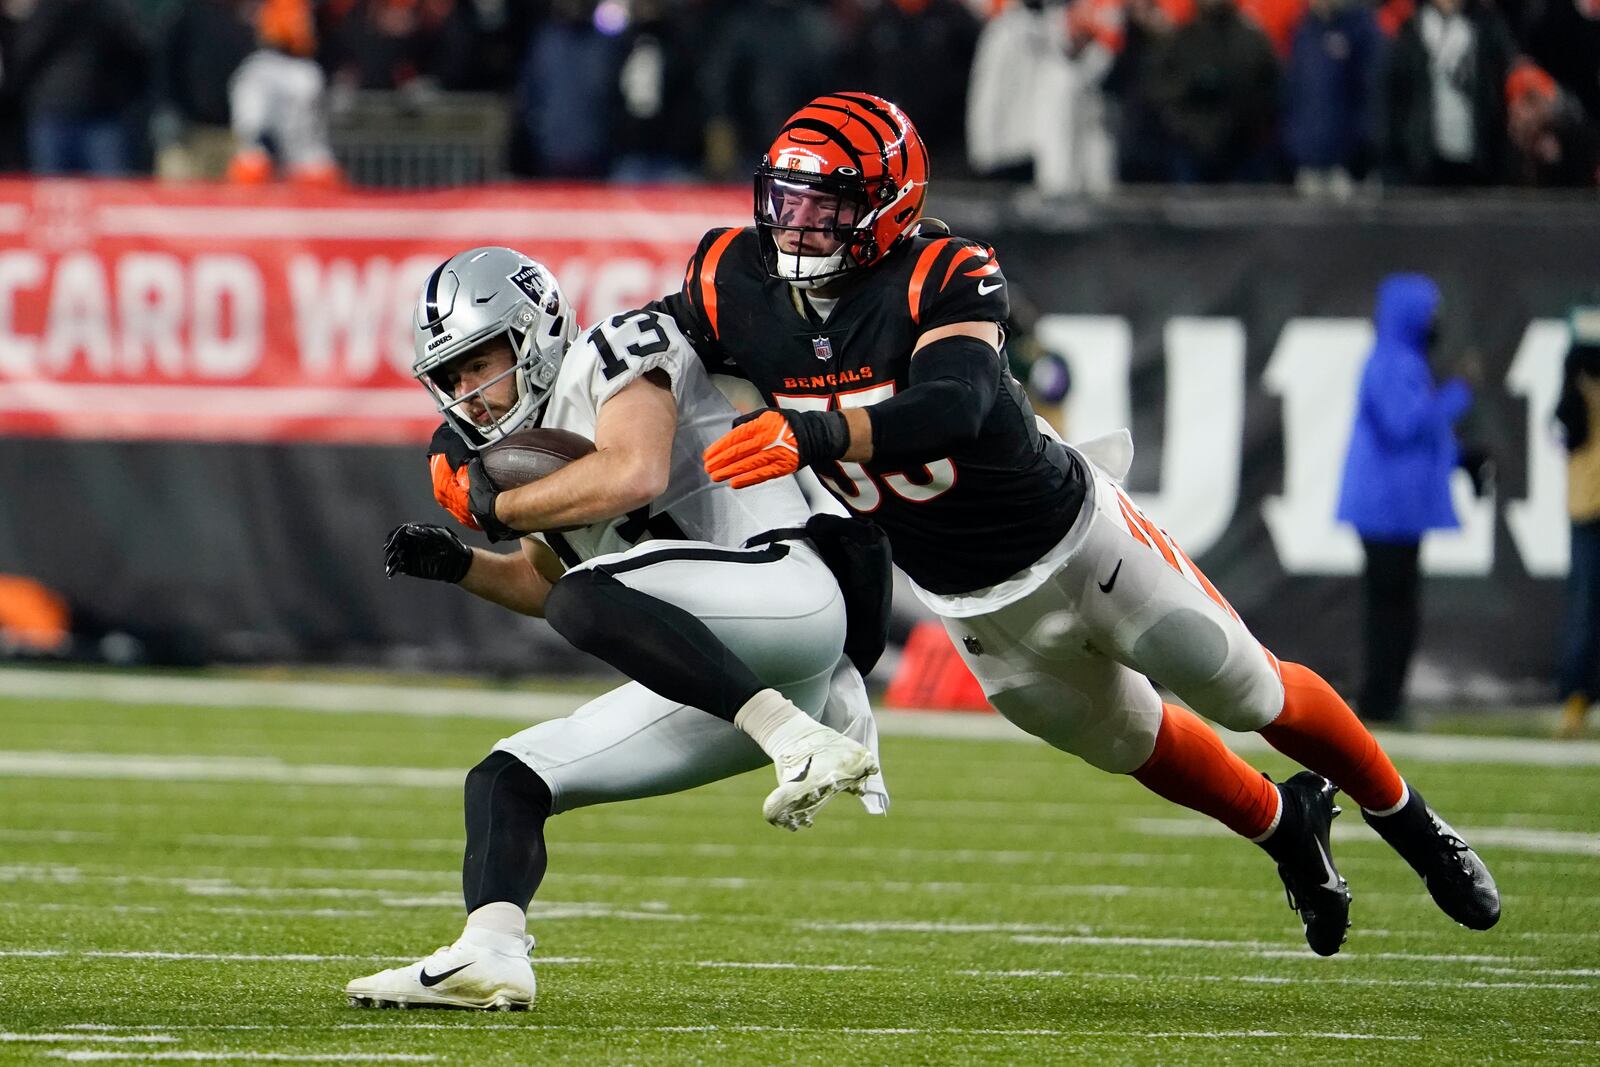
[482, 971]
[819, 764]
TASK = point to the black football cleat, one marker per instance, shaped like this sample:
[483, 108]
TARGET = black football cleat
[1456, 878]
[1300, 846]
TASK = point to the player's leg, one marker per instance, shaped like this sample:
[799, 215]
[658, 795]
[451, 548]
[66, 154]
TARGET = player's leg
[730, 631]
[1165, 618]
[627, 744]
[1391, 607]
[1317, 729]
[1039, 667]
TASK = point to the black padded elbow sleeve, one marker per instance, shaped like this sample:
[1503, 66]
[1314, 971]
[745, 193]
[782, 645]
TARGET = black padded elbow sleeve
[954, 382]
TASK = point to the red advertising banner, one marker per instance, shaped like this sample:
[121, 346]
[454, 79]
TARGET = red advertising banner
[140, 310]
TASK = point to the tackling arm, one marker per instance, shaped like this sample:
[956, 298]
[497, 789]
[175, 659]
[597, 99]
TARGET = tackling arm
[519, 580]
[628, 469]
[953, 387]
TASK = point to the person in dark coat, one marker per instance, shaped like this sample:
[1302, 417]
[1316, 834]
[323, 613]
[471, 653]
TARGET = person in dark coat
[1553, 143]
[1333, 89]
[1215, 86]
[1578, 412]
[1396, 488]
[1563, 37]
[81, 66]
[1446, 96]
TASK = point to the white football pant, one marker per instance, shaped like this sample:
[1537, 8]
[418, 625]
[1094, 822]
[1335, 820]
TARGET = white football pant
[784, 618]
[1073, 661]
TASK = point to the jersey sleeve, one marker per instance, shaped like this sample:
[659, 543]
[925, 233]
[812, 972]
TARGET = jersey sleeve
[956, 280]
[624, 348]
[694, 307]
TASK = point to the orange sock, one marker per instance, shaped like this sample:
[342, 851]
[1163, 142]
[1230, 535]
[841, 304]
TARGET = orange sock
[1191, 766]
[1318, 730]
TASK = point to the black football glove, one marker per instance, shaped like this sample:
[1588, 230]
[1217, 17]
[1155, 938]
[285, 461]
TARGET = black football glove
[481, 499]
[426, 551]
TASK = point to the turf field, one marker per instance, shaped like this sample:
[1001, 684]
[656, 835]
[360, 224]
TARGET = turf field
[186, 883]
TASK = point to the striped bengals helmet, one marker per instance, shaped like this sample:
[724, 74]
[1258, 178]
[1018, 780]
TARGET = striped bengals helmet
[843, 182]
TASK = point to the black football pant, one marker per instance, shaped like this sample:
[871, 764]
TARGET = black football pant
[1391, 594]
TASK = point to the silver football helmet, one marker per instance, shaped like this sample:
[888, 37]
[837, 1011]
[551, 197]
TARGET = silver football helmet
[476, 296]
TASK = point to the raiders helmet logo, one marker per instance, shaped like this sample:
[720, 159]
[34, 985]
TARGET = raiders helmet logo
[527, 279]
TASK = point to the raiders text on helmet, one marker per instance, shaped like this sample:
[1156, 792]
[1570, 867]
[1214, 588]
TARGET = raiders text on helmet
[474, 297]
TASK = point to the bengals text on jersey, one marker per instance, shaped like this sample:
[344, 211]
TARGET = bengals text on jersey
[960, 523]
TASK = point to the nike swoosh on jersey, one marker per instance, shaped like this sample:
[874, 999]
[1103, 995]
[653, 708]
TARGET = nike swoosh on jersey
[430, 980]
[985, 288]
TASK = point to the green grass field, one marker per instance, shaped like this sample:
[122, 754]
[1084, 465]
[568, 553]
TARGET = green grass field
[195, 884]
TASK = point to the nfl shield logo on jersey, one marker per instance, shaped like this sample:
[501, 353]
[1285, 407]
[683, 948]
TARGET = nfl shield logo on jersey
[822, 347]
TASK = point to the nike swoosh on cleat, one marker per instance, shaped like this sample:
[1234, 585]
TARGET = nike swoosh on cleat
[431, 980]
[805, 769]
[1333, 877]
[1105, 586]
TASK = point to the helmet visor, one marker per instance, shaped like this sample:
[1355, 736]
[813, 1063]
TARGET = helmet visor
[808, 218]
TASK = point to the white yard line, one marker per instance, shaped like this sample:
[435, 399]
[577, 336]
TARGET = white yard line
[240, 694]
[237, 957]
[801, 966]
[90, 1055]
[98, 1039]
[1278, 979]
[1255, 979]
[475, 1026]
[199, 885]
[1264, 949]
[869, 1031]
[108, 765]
[1507, 838]
[339, 697]
[452, 846]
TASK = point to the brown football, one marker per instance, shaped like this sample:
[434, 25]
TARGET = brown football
[528, 455]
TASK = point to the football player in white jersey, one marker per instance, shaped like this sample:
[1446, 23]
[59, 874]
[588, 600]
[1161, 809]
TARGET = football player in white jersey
[737, 654]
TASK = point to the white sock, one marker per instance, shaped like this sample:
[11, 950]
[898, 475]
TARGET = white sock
[773, 721]
[500, 917]
[1405, 798]
[1277, 817]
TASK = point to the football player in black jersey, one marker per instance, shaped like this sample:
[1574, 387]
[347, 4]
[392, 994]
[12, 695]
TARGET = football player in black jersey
[877, 341]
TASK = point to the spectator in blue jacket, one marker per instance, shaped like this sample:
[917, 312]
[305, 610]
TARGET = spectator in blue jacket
[1333, 94]
[1396, 488]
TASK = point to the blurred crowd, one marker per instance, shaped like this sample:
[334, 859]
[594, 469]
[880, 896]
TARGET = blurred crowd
[1075, 97]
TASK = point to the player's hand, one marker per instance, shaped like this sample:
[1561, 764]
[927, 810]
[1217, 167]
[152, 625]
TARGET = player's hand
[770, 444]
[426, 551]
[451, 489]
[481, 495]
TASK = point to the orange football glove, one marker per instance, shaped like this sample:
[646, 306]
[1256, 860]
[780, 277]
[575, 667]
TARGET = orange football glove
[754, 452]
[452, 489]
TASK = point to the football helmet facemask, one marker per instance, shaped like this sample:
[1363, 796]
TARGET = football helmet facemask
[841, 185]
[475, 297]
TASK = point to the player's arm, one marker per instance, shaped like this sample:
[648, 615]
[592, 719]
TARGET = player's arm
[954, 379]
[958, 300]
[519, 581]
[628, 468]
